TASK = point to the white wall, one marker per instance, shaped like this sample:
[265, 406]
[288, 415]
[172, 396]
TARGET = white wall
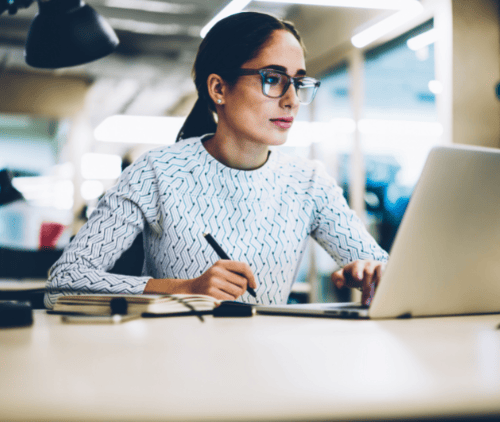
[476, 72]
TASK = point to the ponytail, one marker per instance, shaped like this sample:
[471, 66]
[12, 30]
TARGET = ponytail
[199, 122]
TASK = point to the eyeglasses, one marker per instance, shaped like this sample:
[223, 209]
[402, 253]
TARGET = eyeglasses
[276, 83]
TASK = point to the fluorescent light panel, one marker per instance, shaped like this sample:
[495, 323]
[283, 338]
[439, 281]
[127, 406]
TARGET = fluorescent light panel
[139, 129]
[361, 4]
[435, 87]
[422, 40]
[303, 134]
[101, 166]
[152, 6]
[399, 127]
[235, 6]
[387, 25]
[46, 191]
[141, 27]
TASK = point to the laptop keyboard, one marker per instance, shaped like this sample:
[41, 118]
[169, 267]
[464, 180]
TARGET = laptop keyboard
[348, 306]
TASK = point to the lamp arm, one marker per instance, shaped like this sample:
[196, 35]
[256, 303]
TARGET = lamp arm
[12, 6]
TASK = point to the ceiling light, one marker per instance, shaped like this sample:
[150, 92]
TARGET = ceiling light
[387, 25]
[141, 27]
[422, 40]
[303, 133]
[435, 87]
[399, 127]
[152, 6]
[364, 4]
[46, 191]
[139, 129]
[101, 166]
[234, 7]
[343, 125]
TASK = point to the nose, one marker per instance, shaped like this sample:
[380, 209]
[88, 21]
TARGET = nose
[290, 99]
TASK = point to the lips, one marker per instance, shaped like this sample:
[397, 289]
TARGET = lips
[283, 122]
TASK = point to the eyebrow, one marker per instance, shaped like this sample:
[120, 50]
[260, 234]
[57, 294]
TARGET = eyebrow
[300, 72]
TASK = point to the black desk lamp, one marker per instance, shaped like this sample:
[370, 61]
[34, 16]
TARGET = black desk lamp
[64, 33]
[8, 193]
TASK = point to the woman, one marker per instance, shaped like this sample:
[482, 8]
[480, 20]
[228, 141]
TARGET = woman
[222, 178]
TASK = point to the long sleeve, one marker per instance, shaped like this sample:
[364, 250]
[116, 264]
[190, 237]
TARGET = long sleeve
[176, 193]
[338, 229]
[110, 231]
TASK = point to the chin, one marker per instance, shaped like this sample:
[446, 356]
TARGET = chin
[271, 138]
[278, 140]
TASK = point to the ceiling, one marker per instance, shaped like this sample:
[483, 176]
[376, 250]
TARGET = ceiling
[168, 29]
[150, 73]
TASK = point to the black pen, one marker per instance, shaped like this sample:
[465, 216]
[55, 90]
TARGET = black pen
[223, 255]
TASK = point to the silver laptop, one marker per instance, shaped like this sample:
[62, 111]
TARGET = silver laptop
[445, 259]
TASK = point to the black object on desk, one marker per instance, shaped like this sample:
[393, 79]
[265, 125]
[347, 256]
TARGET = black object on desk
[15, 314]
[234, 309]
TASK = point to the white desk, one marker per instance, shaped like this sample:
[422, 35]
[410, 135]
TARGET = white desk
[260, 368]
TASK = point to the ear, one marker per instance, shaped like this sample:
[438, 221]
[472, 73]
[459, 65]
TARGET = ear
[216, 88]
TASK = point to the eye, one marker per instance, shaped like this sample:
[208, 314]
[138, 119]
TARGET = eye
[272, 78]
[304, 82]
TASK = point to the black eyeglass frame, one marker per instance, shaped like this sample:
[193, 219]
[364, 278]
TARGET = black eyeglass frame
[290, 79]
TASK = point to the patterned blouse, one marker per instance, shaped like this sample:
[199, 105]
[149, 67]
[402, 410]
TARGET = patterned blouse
[174, 194]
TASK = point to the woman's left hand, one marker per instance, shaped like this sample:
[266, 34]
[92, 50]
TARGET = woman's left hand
[361, 274]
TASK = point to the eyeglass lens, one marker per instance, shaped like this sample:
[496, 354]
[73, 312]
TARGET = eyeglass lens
[275, 85]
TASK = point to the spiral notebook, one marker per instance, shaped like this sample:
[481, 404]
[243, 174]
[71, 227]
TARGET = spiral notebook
[107, 304]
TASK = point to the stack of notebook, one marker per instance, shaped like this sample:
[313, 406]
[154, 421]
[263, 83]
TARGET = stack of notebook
[108, 304]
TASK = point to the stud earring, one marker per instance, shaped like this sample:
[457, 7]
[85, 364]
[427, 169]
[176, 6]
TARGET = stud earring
[219, 101]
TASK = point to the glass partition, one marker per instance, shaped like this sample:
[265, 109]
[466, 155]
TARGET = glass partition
[399, 125]
[324, 131]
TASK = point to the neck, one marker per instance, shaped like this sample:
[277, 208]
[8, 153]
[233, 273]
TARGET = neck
[236, 153]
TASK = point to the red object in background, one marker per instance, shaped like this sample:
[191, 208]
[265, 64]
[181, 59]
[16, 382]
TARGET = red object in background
[50, 234]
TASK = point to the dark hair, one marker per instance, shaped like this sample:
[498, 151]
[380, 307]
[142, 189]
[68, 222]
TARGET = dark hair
[227, 46]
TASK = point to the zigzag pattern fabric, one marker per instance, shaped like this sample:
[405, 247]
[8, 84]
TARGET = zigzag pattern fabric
[176, 193]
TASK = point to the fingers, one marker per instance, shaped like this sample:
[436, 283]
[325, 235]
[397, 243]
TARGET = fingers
[361, 274]
[338, 279]
[219, 294]
[372, 274]
[225, 280]
[379, 269]
[357, 273]
[242, 269]
[367, 283]
[229, 288]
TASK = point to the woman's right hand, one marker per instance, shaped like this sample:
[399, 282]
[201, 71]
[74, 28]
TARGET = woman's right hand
[225, 280]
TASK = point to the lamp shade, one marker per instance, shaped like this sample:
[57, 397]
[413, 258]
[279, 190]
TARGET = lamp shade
[67, 33]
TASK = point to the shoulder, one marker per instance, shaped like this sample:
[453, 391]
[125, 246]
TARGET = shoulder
[181, 149]
[176, 155]
[301, 168]
[161, 163]
[306, 177]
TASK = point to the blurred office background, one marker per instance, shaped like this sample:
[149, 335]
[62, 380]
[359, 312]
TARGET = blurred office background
[428, 77]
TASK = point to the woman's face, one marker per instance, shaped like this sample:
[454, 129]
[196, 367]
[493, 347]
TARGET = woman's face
[247, 113]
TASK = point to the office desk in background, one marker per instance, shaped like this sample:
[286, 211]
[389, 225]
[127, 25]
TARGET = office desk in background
[250, 369]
